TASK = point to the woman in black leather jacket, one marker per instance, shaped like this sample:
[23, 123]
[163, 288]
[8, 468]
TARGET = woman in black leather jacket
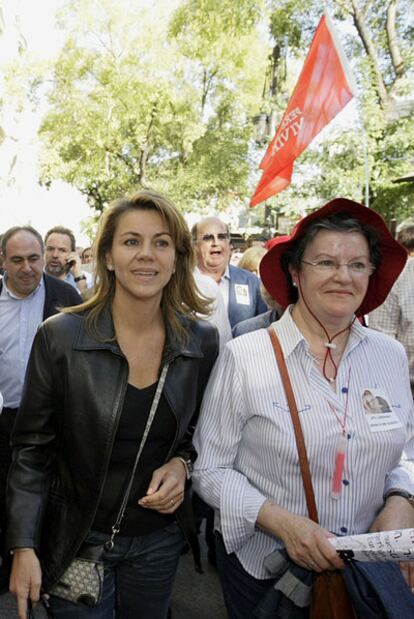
[91, 379]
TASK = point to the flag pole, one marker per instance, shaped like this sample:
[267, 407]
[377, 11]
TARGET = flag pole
[323, 89]
[364, 146]
[355, 90]
[365, 153]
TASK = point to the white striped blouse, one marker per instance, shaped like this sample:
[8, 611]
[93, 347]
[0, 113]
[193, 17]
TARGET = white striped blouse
[246, 446]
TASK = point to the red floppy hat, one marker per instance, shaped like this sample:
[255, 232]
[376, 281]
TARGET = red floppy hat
[277, 239]
[394, 256]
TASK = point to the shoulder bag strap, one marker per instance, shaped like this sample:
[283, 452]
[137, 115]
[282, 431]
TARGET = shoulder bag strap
[300, 441]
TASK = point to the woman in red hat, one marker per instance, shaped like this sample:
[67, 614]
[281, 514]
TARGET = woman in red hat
[339, 263]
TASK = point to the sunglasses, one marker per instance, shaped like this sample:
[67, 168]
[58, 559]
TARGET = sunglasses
[210, 238]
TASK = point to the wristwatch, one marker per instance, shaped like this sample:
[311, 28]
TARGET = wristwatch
[79, 278]
[403, 493]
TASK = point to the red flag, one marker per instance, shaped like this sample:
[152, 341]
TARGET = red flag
[324, 87]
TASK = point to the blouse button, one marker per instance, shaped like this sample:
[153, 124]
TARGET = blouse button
[345, 482]
[344, 389]
[344, 530]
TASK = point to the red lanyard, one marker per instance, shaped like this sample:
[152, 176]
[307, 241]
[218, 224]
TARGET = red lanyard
[341, 446]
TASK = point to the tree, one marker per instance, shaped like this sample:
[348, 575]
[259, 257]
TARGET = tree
[387, 102]
[139, 102]
[378, 39]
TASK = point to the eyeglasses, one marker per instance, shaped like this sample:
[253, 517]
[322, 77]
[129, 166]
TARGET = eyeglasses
[210, 238]
[358, 267]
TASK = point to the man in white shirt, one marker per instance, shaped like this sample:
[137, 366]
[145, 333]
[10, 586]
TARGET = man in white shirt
[27, 296]
[218, 316]
[240, 288]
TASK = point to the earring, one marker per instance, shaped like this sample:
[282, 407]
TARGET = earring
[294, 284]
[110, 267]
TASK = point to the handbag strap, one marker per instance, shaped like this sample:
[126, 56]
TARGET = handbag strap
[109, 544]
[300, 441]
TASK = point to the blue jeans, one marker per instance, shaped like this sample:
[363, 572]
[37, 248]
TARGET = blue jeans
[138, 579]
[242, 592]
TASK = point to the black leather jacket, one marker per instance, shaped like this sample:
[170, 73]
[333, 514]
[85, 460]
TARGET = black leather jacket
[65, 429]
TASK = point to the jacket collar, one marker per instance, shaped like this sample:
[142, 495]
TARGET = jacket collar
[173, 348]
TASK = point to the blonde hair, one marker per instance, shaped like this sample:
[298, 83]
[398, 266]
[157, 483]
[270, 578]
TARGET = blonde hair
[180, 297]
[251, 258]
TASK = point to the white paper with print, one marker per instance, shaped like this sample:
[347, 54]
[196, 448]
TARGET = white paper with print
[395, 545]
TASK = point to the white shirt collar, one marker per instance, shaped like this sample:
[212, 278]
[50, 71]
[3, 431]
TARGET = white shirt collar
[6, 290]
[290, 335]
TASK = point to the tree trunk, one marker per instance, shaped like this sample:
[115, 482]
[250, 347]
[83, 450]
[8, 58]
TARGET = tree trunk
[143, 158]
[207, 81]
[396, 58]
[143, 165]
[93, 196]
[371, 52]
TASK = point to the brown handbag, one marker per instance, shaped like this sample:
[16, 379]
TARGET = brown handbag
[330, 598]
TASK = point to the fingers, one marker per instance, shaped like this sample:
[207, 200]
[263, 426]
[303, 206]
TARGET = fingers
[165, 503]
[73, 260]
[25, 579]
[156, 481]
[308, 546]
[166, 489]
[170, 505]
[22, 607]
[324, 557]
[306, 543]
[23, 594]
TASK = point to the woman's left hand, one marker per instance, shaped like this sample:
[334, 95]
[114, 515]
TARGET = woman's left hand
[397, 513]
[166, 490]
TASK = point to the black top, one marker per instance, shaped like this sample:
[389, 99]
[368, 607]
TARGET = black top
[137, 520]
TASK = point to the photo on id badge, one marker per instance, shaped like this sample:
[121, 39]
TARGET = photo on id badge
[378, 411]
[374, 402]
[242, 294]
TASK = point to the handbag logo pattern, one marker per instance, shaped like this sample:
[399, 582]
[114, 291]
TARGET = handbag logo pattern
[81, 583]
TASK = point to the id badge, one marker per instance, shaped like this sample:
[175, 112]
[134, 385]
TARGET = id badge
[242, 294]
[378, 411]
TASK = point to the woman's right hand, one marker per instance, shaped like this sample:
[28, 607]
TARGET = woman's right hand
[25, 579]
[305, 541]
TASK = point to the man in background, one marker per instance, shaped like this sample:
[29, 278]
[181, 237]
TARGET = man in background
[218, 311]
[63, 261]
[396, 315]
[87, 255]
[27, 297]
[239, 288]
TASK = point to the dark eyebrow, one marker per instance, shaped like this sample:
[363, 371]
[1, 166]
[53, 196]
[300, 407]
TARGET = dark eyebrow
[59, 247]
[138, 234]
[18, 257]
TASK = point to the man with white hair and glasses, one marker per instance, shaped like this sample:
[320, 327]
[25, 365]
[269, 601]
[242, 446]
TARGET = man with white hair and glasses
[240, 288]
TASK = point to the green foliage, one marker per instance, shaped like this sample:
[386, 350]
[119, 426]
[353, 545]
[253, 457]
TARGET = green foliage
[292, 23]
[336, 165]
[132, 107]
[162, 94]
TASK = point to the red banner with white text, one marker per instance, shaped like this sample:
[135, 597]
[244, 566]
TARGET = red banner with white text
[324, 87]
